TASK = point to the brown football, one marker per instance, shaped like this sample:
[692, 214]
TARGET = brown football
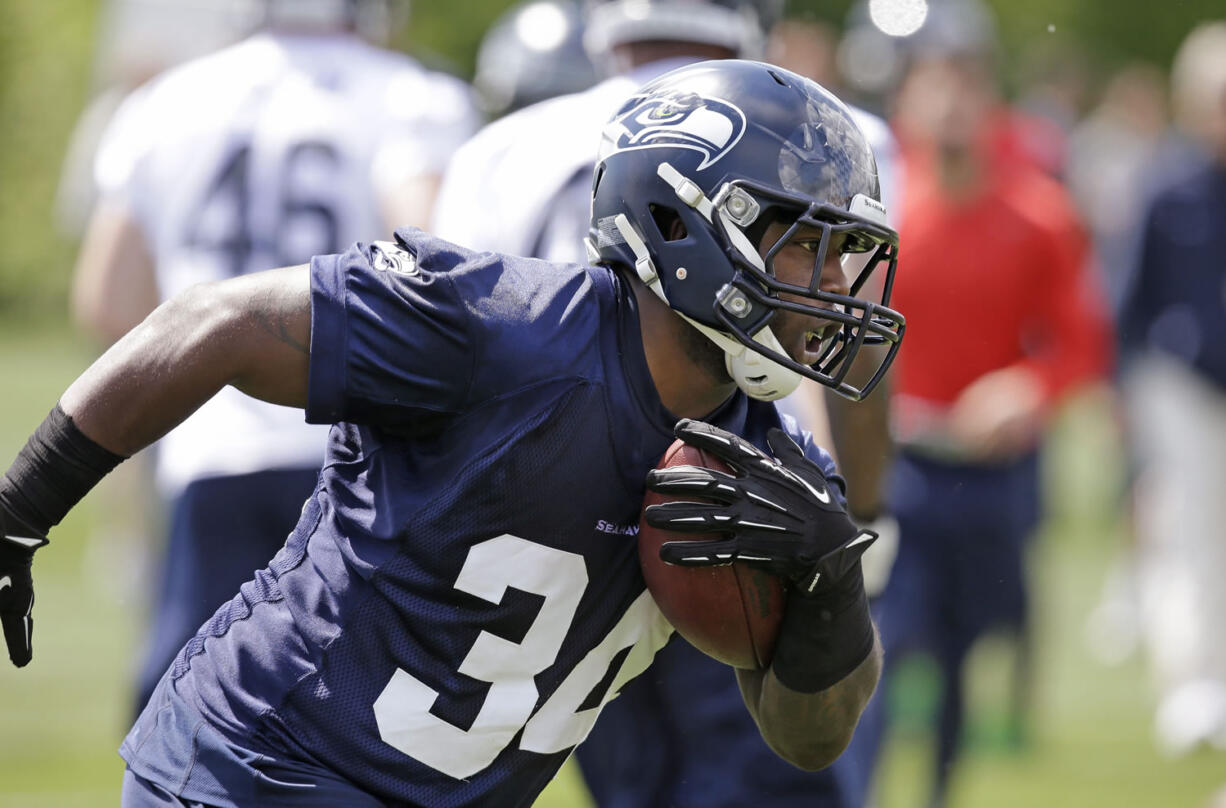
[730, 612]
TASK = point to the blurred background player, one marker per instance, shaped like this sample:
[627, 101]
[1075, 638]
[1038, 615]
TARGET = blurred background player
[1173, 343]
[679, 735]
[302, 138]
[1115, 156]
[1112, 153]
[1005, 319]
[541, 205]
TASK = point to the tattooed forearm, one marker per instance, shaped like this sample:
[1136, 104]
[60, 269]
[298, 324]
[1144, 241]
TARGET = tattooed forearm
[810, 729]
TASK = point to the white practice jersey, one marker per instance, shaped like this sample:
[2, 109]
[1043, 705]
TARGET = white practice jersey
[523, 184]
[259, 156]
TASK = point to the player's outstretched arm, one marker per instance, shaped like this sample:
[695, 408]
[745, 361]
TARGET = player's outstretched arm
[780, 514]
[252, 332]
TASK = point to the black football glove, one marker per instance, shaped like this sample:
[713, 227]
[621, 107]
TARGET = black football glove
[778, 513]
[17, 590]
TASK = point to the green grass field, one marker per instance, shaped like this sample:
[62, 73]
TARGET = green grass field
[1089, 745]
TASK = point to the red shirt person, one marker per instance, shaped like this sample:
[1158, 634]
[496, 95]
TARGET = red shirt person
[1002, 301]
[1004, 311]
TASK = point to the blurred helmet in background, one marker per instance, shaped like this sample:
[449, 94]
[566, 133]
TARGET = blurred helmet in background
[883, 36]
[738, 25]
[532, 52]
[375, 20]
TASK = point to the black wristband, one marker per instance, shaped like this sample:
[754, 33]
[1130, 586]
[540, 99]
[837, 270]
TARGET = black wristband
[824, 638]
[57, 466]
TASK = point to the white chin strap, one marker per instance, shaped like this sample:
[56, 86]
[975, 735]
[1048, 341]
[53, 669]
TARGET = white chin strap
[758, 376]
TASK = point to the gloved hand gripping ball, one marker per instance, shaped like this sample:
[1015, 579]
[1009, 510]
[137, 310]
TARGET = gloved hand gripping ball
[761, 522]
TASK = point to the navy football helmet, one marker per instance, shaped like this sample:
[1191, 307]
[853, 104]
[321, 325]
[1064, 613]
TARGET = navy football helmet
[726, 148]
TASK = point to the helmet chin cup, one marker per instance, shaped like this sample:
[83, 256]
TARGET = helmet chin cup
[758, 376]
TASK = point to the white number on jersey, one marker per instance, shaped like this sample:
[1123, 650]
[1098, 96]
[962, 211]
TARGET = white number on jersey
[402, 710]
[302, 225]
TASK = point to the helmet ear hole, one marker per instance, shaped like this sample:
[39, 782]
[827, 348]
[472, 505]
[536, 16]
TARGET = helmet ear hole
[668, 222]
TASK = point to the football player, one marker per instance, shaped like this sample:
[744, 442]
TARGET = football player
[298, 140]
[522, 186]
[445, 622]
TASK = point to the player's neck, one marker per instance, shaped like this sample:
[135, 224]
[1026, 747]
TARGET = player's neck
[685, 371]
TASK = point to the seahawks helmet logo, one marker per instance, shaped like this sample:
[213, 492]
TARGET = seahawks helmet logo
[709, 126]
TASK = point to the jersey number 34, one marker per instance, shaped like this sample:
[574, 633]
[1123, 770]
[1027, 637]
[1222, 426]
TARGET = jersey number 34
[402, 710]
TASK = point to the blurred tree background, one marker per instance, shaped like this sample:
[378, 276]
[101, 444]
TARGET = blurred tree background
[47, 50]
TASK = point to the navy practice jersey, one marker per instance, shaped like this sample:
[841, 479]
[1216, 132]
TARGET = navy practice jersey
[462, 593]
